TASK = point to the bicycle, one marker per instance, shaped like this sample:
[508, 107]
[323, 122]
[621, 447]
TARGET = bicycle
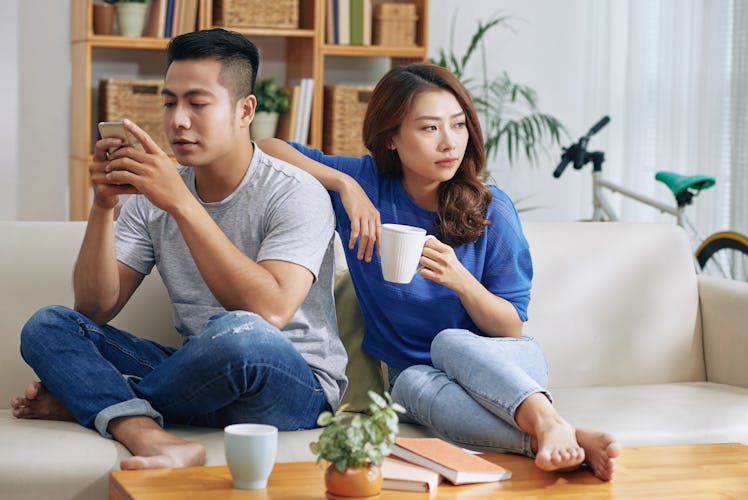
[723, 254]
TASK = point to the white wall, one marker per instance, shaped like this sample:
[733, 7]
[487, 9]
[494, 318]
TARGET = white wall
[9, 112]
[547, 52]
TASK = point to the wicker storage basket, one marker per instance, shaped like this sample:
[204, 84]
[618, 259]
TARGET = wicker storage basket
[138, 100]
[345, 106]
[256, 13]
[395, 24]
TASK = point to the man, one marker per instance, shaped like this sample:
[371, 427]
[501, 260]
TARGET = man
[243, 243]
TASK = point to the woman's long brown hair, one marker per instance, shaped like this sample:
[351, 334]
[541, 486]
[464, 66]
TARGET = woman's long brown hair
[461, 216]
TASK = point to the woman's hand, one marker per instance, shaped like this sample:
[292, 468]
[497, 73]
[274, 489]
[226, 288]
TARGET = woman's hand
[365, 224]
[495, 316]
[439, 263]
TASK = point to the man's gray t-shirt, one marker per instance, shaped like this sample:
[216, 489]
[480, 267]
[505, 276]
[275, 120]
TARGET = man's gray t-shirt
[278, 212]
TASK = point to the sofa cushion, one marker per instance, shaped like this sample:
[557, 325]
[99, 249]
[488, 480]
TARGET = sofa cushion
[364, 371]
[615, 303]
[659, 414]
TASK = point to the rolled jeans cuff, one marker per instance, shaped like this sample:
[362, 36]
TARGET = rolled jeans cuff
[132, 408]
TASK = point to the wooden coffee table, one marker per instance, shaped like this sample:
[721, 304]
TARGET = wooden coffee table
[697, 471]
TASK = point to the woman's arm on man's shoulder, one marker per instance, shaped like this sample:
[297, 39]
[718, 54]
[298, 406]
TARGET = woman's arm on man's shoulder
[361, 211]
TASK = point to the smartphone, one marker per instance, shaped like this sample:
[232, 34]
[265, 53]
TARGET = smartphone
[116, 129]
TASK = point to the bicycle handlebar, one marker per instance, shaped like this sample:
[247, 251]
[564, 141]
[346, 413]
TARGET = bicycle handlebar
[578, 152]
[596, 127]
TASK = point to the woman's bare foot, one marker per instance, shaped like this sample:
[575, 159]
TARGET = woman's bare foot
[554, 440]
[38, 403]
[600, 450]
[557, 448]
[152, 447]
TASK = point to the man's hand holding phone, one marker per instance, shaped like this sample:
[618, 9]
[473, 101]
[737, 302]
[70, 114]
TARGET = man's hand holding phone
[140, 167]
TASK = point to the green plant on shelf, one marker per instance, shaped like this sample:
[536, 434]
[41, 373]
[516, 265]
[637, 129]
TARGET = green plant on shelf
[270, 97]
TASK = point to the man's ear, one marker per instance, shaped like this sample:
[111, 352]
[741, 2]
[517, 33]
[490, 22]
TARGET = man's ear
[246, 109]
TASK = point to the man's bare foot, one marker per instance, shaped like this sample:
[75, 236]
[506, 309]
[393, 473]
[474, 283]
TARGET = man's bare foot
[38, 403]
[600, 450]
[152, 447]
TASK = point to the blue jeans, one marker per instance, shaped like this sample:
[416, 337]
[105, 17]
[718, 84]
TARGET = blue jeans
[239, 368]
[473, 390]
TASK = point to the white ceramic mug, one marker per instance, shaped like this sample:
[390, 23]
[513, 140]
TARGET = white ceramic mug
[401, 248]
[250, 454]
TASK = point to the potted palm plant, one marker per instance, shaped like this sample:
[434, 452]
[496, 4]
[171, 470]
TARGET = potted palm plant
[509, 112]
[272, 100]
[355, 446]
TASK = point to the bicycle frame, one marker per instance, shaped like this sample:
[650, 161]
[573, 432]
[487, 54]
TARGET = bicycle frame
[721, 250]
[602, 208]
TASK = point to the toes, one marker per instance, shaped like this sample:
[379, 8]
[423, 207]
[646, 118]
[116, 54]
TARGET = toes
[33, 390]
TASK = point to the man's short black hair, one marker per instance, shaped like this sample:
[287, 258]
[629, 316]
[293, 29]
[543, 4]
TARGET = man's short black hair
[239, 56]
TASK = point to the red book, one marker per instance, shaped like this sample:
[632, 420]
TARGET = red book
[457, 465]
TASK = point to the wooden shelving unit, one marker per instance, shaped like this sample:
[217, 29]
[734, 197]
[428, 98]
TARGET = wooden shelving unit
[306, 55]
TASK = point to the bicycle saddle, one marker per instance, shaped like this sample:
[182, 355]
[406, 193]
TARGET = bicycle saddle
[681, 185]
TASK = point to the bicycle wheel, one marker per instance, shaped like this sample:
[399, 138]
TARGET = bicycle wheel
[725, 255]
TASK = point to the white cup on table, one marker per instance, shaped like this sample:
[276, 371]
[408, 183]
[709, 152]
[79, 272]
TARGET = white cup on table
[250, 454]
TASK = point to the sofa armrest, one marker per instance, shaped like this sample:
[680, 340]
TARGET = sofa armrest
[724, 318]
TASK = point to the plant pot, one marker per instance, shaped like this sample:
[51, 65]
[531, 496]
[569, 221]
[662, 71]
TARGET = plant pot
[356, 482]
[103, 18]
[264, 125]
[131, 18]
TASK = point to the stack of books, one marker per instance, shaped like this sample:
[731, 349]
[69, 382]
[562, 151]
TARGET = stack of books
[348, 22]
[169, 18]
[419, 464]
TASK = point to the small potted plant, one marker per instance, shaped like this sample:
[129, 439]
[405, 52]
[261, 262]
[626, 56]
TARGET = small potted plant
[271, 101]
[131, 16]
[355, 446]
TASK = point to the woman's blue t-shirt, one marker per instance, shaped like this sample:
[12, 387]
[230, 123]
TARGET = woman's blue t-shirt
[401, 320]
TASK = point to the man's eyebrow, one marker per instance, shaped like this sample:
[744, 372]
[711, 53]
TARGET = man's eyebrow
[192, 92]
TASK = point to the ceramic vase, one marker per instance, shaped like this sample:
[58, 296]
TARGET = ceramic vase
[103, 18]
[131, 18]
[264, 125]
[354, 482]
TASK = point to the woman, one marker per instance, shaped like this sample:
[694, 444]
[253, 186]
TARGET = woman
[452, 337]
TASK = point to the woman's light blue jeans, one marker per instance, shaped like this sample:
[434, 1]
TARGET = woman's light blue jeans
[473, 390]
[239, 368]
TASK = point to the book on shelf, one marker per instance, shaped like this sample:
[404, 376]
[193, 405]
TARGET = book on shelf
[357, 22]
[287, 119]
[344, 22]
[331, 21]
[156, 19]
[304, 112]
[185, 17]
[169, 18]
[368, 22]
[397, 474]
[459, 466]
[348, 22]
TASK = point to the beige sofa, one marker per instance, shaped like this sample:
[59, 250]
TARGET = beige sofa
[636, 344]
